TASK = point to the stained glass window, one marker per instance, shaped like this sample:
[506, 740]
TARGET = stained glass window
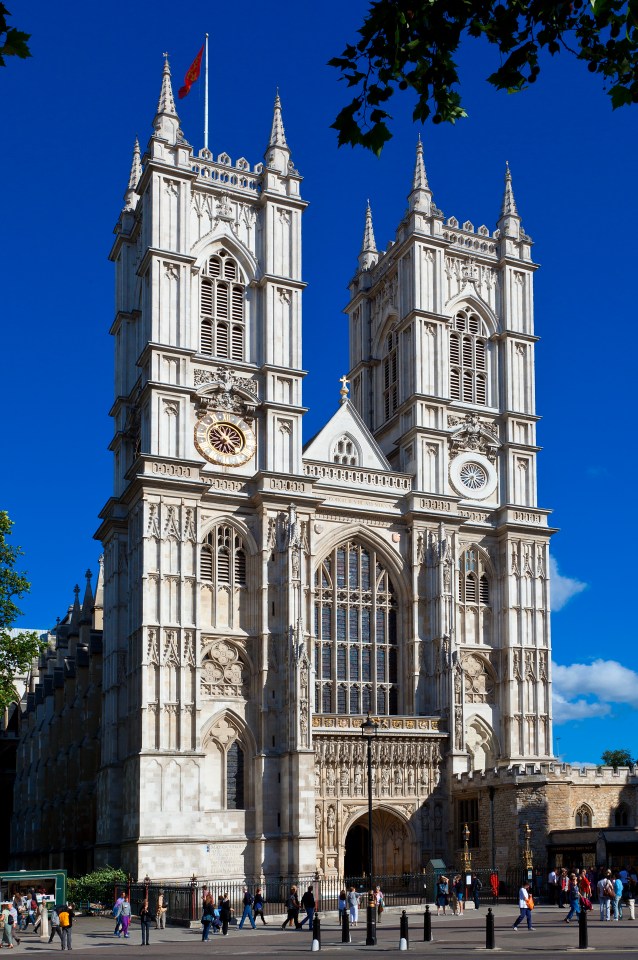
[358, 617]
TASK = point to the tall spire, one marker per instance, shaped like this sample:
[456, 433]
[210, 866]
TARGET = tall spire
[87, 603]
[420, 196]
[277, 134]
[508, 209]
[369, 254]
[166, 122]
[509, 222]
[130, 200]
[277, 151]
[75, 609]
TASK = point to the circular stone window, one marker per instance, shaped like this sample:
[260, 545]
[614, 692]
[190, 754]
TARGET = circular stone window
[473, 476]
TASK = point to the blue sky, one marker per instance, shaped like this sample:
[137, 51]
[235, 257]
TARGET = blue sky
[70, 118]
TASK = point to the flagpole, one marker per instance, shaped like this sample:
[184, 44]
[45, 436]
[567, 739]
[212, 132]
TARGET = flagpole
[206, 97]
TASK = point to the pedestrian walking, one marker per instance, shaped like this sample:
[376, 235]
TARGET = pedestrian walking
[309, 904]
[55, 925]
[117, 913]
[247, 912]
[574, 898]
[477, 886]
[352, 899]
[66, 915]
[258, 905]
[380, 902]
[224, 912]
[208, 915]
[126, 916]
[525, 906]
[292, 907]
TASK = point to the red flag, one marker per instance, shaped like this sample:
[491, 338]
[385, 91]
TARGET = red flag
[192, 75]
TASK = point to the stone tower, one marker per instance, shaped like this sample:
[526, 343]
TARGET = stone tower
[442, 371]
[203, 570]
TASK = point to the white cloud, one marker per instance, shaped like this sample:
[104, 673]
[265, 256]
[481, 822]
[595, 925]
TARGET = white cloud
[606, 680]
[562, 588]
[566, 710]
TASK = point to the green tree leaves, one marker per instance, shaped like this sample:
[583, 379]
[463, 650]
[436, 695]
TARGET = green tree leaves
[13, 43]
[617, 758]
[412, 44]
[16, 651]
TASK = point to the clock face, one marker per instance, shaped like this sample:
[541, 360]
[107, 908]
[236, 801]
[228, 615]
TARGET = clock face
[224, 438]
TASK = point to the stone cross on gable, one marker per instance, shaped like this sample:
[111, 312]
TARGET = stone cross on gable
[344, 388]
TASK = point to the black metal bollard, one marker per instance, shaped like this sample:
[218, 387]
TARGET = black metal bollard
[427, 924]
[316, 932]
[489, 930]
[582, 930]
[345, 927]
[404, 935]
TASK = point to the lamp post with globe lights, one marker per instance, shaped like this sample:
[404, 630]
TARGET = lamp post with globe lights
[369, 730]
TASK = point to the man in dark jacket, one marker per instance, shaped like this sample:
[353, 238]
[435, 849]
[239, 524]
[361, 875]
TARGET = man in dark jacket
[309, 904]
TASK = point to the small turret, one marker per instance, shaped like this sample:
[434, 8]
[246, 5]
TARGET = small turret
[277, 154]
[369, 253]
[130, 197]
[420, 197]
[98, 599]
[509, 222]
[86, 615]
[166, 122]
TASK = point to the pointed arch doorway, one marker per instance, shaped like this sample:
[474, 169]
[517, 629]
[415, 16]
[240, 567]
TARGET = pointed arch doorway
[392, 841]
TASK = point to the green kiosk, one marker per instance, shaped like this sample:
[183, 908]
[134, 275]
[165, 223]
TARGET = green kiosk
[49, 885]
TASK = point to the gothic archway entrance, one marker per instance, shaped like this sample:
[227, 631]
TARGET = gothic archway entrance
[392, 842]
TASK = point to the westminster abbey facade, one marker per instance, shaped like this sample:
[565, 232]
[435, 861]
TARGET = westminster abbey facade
[258, 598]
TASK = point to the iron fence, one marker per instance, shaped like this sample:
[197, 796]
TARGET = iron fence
[184, 901]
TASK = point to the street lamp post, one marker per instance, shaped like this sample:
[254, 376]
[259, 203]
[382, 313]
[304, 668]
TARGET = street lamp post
[369, 730]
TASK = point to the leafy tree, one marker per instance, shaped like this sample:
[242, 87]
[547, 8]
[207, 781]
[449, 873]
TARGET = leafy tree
[617, 758]
[412, 44]
[96, 887]
[17, 651]
[13, 43]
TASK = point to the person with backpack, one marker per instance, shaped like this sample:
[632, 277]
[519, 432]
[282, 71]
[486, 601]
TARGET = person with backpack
[258, 905]
[55, 924]
[309, 904]
[247, 913]
[117, 913]
[225, 912]
[292, 906]
[66, 915]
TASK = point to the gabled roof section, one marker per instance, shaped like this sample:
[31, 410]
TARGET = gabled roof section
[346, 422]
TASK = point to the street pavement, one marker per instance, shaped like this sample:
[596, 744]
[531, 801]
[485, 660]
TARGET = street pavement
[454, 937]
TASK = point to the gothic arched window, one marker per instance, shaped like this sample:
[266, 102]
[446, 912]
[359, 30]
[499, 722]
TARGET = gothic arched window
[621, 816]
[235, 777]
[355, 634]
[345, 451]
[468, 358]
[222, 308]
[583, 816]
[390, 376]
[474, 581]
[223, 558]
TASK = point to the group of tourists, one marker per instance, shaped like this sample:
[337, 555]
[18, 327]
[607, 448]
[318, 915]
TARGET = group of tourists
[16, 914]
[349, 902]
[122, 912]
[452, 893]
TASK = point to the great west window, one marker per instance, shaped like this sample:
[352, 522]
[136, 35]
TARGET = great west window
[355, 634]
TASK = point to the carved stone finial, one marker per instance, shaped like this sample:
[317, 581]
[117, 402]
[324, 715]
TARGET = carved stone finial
[344, 388]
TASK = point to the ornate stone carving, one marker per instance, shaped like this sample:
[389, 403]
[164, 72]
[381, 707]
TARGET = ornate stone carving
[479, 685]
[473, 434]
[223, 673]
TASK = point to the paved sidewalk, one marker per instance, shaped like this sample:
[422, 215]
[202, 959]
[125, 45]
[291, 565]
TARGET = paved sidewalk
[458, 935]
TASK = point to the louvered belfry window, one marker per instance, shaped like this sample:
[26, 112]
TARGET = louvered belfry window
[474, 581]
[356, 643]
[223, 558]
[221, 301]
[468, 358]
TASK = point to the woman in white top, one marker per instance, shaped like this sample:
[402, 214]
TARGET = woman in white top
[524, 907]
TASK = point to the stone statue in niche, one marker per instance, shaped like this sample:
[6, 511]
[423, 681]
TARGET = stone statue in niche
[331, 822]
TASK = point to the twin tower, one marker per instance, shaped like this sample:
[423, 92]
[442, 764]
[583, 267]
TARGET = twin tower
[261, 598]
